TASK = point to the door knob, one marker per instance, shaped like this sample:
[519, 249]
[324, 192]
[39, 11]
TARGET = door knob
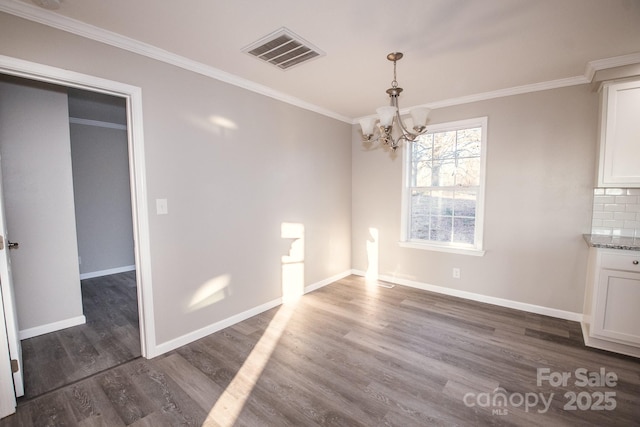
[13, 245]
[635, 262]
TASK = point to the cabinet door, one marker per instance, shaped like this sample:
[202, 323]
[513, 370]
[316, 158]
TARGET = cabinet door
[620, 136]
[617, 308]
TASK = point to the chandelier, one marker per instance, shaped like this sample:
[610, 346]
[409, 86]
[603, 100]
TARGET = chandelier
[387, 115]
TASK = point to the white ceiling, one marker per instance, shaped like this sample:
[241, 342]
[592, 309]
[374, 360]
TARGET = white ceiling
[452, 48]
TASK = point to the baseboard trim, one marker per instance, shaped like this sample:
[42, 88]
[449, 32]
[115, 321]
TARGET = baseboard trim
[225, 323]
[614, 347]
[107, 272]
[325, 282]
[210, 329]
[530, 308]
[51, 327]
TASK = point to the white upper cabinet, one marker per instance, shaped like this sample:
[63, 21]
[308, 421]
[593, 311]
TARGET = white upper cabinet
[619, 161]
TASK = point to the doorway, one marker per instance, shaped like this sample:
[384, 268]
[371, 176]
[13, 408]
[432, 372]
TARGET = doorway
[139, 209]
[51, 199]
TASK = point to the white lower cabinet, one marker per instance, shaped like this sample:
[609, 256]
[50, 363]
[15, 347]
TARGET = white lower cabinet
[612, 301]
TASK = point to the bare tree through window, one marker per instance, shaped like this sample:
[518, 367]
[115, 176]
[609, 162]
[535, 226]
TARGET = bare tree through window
[443, 185]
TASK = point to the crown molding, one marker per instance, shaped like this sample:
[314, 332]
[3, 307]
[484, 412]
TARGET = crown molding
[603, 64]
[51, 19]
[591, 68]
[73, 26]
[501, 93]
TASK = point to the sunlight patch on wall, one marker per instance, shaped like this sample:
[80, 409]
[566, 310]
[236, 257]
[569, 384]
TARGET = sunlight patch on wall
[217, 125]
[210, 292]
[293, 264]
[371, 275]
[223, 122]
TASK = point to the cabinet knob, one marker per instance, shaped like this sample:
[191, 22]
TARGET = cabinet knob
[635, 262]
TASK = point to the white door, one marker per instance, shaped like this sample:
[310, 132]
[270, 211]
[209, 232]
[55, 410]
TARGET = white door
[8, 300]
[7, 393]
[39, 207]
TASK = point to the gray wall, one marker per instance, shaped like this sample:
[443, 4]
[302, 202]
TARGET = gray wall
[228, 190]
[89, 105]
[102, 198]
[36, 166]
[540, 177]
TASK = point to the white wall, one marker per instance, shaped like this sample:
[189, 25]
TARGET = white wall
[229, 189]
[539, 189]
[38, 190]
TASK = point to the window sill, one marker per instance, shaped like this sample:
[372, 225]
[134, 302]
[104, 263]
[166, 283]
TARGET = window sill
[442, 248]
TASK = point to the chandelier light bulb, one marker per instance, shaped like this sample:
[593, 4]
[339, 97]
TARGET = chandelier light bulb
[419, 116]
[386, 115]
[368, 125]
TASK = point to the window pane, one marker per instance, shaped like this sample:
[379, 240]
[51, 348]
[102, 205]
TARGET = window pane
[443, 173]
[468, 172]
[441, 228]
[442, 203]
[420, 231]
[464, 203]
[421, 150]
[464, 230]
[469, 142]
[420, 208]
[444, 145]
[422, 174]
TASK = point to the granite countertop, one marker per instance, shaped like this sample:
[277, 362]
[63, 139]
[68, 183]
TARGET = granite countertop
[612, 242]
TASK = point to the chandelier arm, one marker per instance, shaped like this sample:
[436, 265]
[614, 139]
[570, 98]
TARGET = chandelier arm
[407, 135]
[405, 131]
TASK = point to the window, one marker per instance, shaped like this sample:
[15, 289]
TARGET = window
[443, 193]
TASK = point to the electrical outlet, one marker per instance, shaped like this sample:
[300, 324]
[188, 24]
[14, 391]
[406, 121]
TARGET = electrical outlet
[456, 273]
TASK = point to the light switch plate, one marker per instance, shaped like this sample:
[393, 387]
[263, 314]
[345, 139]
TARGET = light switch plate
[162, 207]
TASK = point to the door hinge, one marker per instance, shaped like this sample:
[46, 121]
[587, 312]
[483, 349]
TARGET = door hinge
[14, 366]
[1, 243]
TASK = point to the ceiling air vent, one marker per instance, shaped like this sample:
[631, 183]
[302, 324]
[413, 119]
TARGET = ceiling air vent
[284, 49]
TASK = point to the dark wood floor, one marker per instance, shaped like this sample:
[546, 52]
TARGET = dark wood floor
[354, 356]
[109, 338]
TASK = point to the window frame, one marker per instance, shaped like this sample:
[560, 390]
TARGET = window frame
[451, 247]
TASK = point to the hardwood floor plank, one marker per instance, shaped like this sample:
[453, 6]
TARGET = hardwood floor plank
[303, 374]
[45, 369]
[22, 418]
[347, 355]
[155, 419]
[81, 352]
[214, 364]
[90, 405]
[197, 385]
[171, 403]
[51, 411]
[128, 401]
[109, 338]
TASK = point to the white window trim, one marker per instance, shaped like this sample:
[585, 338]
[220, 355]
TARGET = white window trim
[465, 249]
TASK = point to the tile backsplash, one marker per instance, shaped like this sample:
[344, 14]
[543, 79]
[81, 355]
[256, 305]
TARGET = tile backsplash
[616, 212]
